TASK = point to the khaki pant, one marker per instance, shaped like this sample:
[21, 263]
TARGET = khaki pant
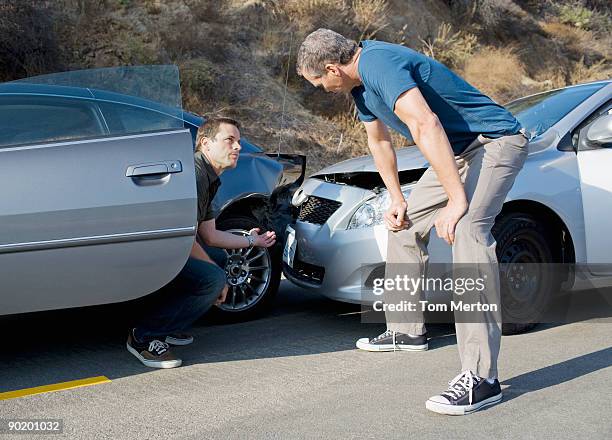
[487, 168]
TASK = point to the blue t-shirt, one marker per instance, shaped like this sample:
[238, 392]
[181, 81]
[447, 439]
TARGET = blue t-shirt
[388, 70]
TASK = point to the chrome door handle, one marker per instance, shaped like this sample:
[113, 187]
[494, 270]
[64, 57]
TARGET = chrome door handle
[152, 169]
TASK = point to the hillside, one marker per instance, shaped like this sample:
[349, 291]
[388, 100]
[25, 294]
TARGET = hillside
[233, 55]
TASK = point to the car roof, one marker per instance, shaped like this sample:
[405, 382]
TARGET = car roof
[18, 88]
[22, 88]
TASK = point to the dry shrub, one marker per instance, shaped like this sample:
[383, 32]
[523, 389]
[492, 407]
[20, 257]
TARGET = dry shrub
[574, 73]
[450, 48]
[575, 14]
[85, 8]
[496, 72]
[206, 10]
[28, 44]
[489, 13]
[153, 7]
[370, 16]
[308, 15]
[566, 34]
[594, 54]
[594, 72]
[201, 82]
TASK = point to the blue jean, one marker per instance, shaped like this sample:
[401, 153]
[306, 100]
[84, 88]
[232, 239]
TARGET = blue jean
[176, 306]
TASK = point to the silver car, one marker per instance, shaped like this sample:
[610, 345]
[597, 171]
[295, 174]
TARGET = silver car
[558, 211]
[98, 194]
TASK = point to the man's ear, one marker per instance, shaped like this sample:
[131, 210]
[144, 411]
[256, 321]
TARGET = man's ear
[202, 144]
[333, 68]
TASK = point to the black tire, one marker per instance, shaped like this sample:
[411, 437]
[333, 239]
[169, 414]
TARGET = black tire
[526, 289]
[261, 303]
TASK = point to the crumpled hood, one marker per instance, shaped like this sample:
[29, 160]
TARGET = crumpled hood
[408, 158]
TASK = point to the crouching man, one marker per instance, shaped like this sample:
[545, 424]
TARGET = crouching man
[202, 282]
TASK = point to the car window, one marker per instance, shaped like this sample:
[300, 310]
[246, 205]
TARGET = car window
[540, 112]
[25, 120]
[125, 119]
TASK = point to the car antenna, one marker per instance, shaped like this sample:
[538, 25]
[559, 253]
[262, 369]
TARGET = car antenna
[280, 134]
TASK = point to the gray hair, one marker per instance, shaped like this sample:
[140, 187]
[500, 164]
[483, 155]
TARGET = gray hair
[322, 47]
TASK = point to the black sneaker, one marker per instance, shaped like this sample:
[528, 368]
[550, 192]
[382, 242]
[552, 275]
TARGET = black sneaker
[466, 393]
[154, 354]
[179, 339]
[394, 341]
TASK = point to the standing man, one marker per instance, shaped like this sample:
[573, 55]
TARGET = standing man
[202, 282]
[475, 149]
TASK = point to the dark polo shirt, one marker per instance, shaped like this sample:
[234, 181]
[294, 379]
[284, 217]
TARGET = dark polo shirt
[207, 184]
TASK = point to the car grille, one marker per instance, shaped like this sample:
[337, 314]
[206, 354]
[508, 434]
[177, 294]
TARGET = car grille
[303, 271]
[317, 210]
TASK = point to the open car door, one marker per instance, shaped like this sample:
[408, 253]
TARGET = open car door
[97, 185]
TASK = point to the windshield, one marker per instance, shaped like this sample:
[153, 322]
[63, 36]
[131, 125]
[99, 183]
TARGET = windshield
[540, 112]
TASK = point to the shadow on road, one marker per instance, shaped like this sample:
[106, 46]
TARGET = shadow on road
[557, 373]
[57, 346]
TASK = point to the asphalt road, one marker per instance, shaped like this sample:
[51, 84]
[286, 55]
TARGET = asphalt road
[296, 374]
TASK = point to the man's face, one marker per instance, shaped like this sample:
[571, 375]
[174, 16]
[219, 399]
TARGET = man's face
[224, 148]
[333, 81]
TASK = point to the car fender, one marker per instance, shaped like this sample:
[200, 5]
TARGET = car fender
[550, 177]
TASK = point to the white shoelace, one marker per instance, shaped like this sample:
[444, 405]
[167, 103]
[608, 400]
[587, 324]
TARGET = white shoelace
[158, 346]
[384, 335]
[463, 382]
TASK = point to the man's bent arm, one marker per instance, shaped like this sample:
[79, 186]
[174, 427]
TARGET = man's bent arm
[429, 136]
[379, 143]
[207, 230]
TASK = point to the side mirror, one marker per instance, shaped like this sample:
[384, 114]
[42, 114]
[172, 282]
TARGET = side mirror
[599, 133]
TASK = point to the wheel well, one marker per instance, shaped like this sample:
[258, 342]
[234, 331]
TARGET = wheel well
[551, 219]
[253, 205]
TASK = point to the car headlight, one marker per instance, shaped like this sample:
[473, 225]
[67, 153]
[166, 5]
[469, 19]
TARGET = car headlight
[371, 212]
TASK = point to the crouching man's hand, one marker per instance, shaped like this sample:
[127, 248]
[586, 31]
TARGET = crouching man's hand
[221, 299]
[265, 240]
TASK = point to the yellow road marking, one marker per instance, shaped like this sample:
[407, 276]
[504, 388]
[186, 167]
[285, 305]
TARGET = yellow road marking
[54, 387]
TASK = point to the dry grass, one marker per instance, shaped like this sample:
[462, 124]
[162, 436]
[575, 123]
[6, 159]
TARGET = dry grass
[450, 48]
[370, 16]
[308, 15]
[496, 72]
[594, 72]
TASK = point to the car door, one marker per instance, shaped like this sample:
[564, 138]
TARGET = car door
[88, 216]
[595, 166]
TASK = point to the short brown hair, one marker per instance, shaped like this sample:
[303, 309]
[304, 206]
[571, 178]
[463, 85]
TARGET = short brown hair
[210, 127]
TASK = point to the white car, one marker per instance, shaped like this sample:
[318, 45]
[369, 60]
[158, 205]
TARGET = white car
[558, 211]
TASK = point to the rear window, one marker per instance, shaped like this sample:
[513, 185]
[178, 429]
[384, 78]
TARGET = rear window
[125, 119]
[540, 112]
[26, 120]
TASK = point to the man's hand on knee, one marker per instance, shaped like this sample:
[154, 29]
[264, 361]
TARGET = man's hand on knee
[447, 220]
[221, 299]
